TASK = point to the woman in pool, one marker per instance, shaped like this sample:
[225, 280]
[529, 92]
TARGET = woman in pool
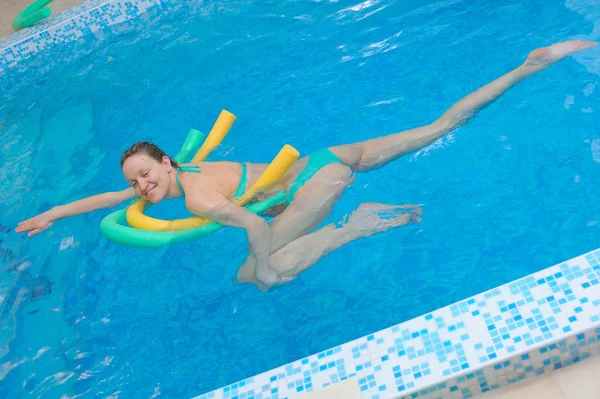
[278, 252]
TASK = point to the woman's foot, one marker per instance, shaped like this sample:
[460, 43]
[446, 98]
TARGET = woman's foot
[372, 218]
[267, 277]
[546, 56]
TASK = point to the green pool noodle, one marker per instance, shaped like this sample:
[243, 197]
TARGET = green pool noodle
[32, 15]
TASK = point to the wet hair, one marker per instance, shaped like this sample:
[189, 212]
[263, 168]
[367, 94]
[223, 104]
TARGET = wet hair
[149, 149]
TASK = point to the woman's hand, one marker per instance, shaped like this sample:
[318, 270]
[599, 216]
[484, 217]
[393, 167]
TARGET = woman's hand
[42, 221]
[218, 208]
[37, 223]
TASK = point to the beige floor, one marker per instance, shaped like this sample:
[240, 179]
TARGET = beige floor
[10, 8]
[578, 381]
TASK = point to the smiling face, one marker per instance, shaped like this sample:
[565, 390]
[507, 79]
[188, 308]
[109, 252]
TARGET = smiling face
[149, 178]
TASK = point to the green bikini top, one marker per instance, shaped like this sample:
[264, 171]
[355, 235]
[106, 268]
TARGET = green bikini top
[196, 169]
[191, 169]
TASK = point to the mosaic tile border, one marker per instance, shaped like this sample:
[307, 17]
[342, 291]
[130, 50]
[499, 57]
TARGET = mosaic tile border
[71, 25]
[544, 321]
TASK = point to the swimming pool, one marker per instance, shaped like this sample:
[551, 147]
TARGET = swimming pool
[504, 196]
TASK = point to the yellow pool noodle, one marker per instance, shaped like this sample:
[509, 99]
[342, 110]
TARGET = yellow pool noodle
[275, 171]
[216, 135]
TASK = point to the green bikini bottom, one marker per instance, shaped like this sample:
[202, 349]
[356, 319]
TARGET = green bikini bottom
[316, 161]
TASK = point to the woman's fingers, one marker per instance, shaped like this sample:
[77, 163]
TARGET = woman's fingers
[34, 232]
[24, 226]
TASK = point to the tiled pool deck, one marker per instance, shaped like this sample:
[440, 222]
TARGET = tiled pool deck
[525, 328]
[71, 25]
[10, 8]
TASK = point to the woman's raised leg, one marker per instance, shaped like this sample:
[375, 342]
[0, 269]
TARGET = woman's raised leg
[376, 152]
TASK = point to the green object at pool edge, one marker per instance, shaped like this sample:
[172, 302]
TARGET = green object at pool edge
[32, 14]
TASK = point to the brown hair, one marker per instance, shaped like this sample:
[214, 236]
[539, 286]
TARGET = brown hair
[149, 149]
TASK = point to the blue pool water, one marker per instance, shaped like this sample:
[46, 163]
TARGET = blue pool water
[510, 193]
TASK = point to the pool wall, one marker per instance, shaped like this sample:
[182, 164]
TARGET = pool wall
[525, 328]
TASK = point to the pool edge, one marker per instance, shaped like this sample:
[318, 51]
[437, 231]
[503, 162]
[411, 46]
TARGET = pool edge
[69, 26]
[525, 328]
